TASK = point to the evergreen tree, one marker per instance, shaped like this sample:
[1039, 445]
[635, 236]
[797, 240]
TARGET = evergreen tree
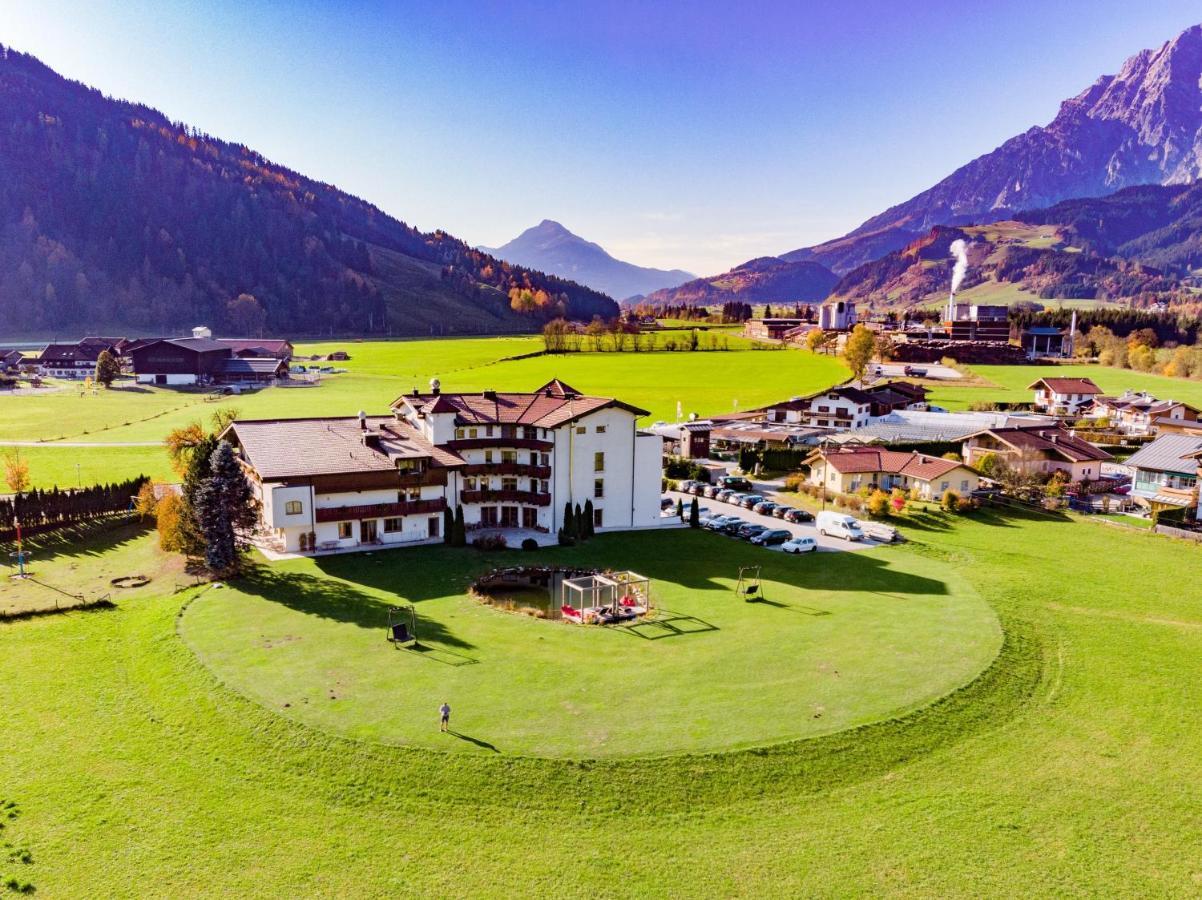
[448, 527]
[589, 530]
[191, 539]
[107, 368]
[224, 509]
[569, 521]
[581, 531]
[680, 509]
[694, 514]
[460, 528]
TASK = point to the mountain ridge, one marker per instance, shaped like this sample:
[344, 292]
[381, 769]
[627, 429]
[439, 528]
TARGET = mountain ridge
[1142, 125]
[552, 248]
[765, 279]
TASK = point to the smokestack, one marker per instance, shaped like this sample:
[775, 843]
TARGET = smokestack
[959, 250]
[1072, 335]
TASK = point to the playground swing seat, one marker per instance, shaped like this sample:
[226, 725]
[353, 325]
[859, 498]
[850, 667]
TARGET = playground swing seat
[748, 586]
[402, 626]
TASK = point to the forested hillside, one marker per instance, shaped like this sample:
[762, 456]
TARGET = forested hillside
[111, 215]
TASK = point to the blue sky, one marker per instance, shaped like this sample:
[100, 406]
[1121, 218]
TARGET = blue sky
[693, 135]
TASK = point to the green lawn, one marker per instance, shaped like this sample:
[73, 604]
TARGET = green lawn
[380, 371]
[1072, 767]
[844, 639]
[1009, 384]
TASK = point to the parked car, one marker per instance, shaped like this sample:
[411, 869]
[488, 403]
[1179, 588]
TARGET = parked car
[749, 501]
[765, 507]
[667, 503]
[749, 531]
[735, 482]
[770, 537]
[800, 545]
[834, 524]
[686, 485]
[797, 516]
[710, 491]
[780, 510]
[717, 523]
[879, 531]
[914, 372]
[731, 525]
[698, 489]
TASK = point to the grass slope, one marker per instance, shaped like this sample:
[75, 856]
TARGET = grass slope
[842, 640]
[1073, 766]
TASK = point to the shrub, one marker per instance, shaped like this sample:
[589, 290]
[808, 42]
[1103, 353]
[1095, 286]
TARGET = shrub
[490, 542]
[949, 501]
[529, 544]
[565, 539]
[852, 502]
[878, 504]
[967, 504]
[898, 501]
[795, 481]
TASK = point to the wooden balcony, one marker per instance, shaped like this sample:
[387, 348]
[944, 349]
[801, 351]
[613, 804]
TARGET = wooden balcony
[485, 443]
[520, 469]
[381, 510]
[527, 498]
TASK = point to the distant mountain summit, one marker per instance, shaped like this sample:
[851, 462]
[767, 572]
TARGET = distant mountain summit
[551, 248]
[1141, 126]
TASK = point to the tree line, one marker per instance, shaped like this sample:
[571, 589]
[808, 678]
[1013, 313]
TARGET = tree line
[44, 510]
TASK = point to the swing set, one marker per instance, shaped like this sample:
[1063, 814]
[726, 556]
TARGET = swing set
[402, 626]
[749, 586]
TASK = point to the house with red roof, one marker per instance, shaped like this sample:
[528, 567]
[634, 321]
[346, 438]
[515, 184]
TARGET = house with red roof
[512, 461]
[1038, 450]
[849, 468]
[1064, 396]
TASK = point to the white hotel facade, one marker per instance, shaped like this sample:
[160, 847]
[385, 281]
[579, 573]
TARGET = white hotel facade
[510, 460]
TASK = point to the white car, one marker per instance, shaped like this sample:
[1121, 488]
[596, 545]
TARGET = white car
[800, 545]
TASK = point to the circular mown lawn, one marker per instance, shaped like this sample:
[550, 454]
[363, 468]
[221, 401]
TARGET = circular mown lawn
[840, 639]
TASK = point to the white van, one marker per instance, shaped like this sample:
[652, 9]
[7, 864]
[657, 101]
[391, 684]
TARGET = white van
[835, 524]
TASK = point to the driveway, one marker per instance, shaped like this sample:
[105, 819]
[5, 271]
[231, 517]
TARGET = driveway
[934, 371]
[827, 544]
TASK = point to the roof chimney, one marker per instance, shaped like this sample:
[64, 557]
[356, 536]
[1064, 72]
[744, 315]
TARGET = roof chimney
[490, 395]
[362, 420]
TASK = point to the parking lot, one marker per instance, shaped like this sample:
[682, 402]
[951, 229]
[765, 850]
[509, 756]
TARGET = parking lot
[806, 529]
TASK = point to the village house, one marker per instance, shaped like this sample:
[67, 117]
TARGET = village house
[841, 407]
[11, 361]
[510, 460]
[78, 360]
[1038, 450]
[1166, 472]
[201, 360]
[847, 469]
[1064, 396]
[1139, 413]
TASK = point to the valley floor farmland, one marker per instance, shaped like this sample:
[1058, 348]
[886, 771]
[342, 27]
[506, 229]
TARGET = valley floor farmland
[378, 372]
[1073, 765]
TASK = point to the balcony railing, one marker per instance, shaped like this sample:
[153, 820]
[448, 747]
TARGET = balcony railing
[520, 469]
[380, 510]
[529, 498]
[518, 443]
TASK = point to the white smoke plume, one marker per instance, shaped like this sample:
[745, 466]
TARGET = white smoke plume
[959, 250]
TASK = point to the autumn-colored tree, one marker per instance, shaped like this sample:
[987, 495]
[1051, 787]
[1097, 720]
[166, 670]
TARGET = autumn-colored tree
[222, 418]
[815, 338]
[521, 300]
[16, 471]
[182, 442]
[172, 522]
[146, 503]
[246, 315]
[107, 368]
[878, 504]
[859, 350]
[555, 336]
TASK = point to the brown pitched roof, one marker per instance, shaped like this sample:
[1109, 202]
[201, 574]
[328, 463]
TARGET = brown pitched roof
[1066, 385]
[297, 448]
[550, 406]
[865, 459]
[1053, 440]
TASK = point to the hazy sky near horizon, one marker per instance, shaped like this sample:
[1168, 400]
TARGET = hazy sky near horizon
[693, 135]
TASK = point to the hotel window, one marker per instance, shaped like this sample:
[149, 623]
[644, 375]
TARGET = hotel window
[542, 487]
[488, 457]
[344, 530]
[529, 432]
[598, 461]
[391, 526]
[509, 456]
[488, 431]
[545, 459]
[598, 488]
[598, 518]
[469, 483]
[459, 433]
[509, 484]
[473, 432]
[292, 508]
[600, 429]
[581, 429]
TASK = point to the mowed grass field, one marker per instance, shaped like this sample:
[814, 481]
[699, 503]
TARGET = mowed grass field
[1009, 384]
[378, 372]
[842, 640]
[1071, 766]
